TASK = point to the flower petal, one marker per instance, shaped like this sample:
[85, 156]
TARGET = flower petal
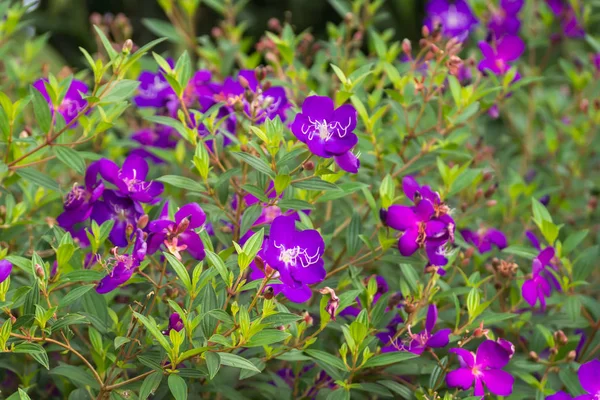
[318, 107]
[529, 292]
[193, 212]
[296, 295]
[491, 354]
[135, 167]
[498, 382]
[5, 269]
[194, 244]
[432, 315]
[408, 242]
[589, 376]
[401, 218]
[462, 378]
[439, 339]
[410, 187]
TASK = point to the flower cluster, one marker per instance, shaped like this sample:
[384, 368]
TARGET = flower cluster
[426, 224]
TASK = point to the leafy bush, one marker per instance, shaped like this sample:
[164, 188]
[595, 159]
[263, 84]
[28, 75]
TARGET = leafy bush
[344, 218]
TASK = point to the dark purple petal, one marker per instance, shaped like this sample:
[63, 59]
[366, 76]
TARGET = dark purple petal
[193, 212]
[314, 274]
[348, 162]
[491, 354]
[135, 167]
[194, 244]
[5, 269]
[529, 292]
[498, 382]
[466, 358]
[510, 48]
[401, 218]
[296, 295]
[283, 231]
[410, 187]
[408, 242]
[462, 378]
[559, 396]
[432, 315]
[589, 376]
[439, 339]
[424, 210]
[497, 238]
[318, 107]
[546, 256]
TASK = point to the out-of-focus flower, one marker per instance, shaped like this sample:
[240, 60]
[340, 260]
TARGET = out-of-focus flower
[180, 234]
[504, 20]
[455, 17]
[160, 137]
[328, 132]
[122, 266]
[589, 378]
[484, 239]
[540, 285]
[154, 90]
[5, 269]
[175, 322]
[72, 103]
[121, 209]
[497, 58]
[482, 370]
[568, 18]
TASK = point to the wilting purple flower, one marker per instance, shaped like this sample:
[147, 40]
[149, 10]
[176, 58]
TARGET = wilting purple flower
[295, 254]
[568, 18]
[504, 21]
[508, 346]
[497, 59]
[123, 265]
[419, 342]
[484, 239]
[540, 285]
[79, 202]
[175, 322]
[326, 131]
[154, 90]
[130, 179]
[482, 369]
[180, 234]
[123, 210]
[5, 269]
[160, 137]
[455, 17]
[348, 161]
[73, 102]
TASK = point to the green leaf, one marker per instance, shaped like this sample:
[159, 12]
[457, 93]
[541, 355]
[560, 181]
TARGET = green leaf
[540, 213]
[34, 350]
[178, 387]
[162, 28]
[120, 341]
[213, 363]
[23, 395]
[182, 182]
[249, 217]
[573, 241]
[218, 263]
[150, 384]
[232, 360]
[180, 270]
[78, 375]
[267, 337]
[257, 163]
[388, 358]
[326, 358]
[70, 158]
[110, 51]
[120, 91]
[315, 184]
[41, 110]
[38, 178]
[280, 319]
[151, 326]
[74, 295]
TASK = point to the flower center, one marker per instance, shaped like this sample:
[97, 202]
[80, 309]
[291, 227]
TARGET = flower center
[134, 184]
[294, 255]
[454, 19]
[152, 90]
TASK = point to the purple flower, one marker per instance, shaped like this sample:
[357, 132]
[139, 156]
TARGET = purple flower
[154, 90]
[123, 210]
[178, 235]
[130, 179]
[596, 61]
[79, 202]
[160, 137]
[540, 285]
[419, 342]
[484, 239]
[175, 322]
[299, 294]
[123, 265]
[295, 254]
[386, 336]
[267, 104]
[5, 270]
[589, 377]
[497, 59]
[568, 18]
[504, 21]
[326, 131]
[455, 17]
[72, 103]
[348, 162]
[482, 369]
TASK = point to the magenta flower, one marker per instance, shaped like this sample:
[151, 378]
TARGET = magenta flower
[154, 90]
[180, 234]
[568, 18]
[540, 285]
[160, 137]
[130, 179]
[348, 161]
[5, 270]
[455, 17]
[295, 294]
[175, 322]
[484, 239]
[482, 370]
[327, 132]
[296, 255]
[73, 101]
[123, 265]
[419, 342]
[497, 59]
[123, 210]
[589, 377]
[504, 21]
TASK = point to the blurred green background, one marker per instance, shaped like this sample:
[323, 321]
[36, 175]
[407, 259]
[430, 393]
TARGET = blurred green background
[68, 21]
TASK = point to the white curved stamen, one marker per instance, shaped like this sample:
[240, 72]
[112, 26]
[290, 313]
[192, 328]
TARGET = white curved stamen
[134, 184]
[295, 255]
[324, 129]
